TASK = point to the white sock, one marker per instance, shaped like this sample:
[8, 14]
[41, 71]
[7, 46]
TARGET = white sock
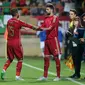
[17, 76]
[4, 71]
[59, 56]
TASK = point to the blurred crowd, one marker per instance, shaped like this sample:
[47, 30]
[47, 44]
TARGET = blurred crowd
[37, 7]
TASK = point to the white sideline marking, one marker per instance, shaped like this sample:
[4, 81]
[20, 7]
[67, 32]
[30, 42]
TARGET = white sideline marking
[28, 65]
[75, 81]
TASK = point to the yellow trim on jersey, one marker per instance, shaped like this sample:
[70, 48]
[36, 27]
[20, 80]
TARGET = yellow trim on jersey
[71, 24]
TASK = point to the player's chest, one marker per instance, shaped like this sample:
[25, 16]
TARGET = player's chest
[48, 21]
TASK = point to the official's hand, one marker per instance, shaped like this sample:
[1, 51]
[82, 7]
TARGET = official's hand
[75, 32]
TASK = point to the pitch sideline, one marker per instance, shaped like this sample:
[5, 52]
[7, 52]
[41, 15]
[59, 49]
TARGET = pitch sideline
[28, 65]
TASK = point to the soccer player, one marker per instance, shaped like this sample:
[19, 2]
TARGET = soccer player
[51, 43]
[14, 46]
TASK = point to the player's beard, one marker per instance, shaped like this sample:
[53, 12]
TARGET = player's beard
[48, 13]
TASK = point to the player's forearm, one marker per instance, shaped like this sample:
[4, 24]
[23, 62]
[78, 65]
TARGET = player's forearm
[23, 24]
[36, 28]
[45, 28]
[41, 28]
[31, 27]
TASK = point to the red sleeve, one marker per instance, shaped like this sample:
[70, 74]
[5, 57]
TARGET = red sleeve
[23, 24]
[55, 23]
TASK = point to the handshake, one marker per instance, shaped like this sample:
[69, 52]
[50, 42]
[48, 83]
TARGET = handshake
[36, 28]
[41, 29]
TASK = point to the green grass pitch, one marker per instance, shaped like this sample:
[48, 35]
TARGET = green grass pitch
[33, 69]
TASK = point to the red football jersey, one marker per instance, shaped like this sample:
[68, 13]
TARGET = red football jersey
[13, 26]
[53, 32]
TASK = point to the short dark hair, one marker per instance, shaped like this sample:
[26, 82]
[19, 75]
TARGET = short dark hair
[50, 6]
[73, 10]
[14, 11]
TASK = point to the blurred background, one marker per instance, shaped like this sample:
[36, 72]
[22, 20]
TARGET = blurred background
[33, 11]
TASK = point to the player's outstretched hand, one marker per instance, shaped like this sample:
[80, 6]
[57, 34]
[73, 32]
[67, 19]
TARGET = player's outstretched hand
[35, 27]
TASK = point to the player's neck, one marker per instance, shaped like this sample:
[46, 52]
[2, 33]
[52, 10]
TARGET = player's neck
[51, 14]
[15, 17]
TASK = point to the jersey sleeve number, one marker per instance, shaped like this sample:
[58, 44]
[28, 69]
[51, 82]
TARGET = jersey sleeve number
[11, 31]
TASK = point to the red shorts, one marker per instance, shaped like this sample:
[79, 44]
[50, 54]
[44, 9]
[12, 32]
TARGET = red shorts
[52, 47]
[15, 51]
